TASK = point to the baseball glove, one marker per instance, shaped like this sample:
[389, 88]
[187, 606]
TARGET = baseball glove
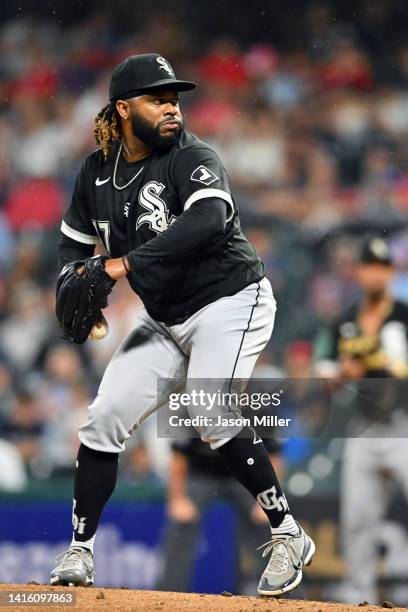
[82, 291]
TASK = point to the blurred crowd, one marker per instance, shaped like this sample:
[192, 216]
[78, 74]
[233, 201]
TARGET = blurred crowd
[314, 137]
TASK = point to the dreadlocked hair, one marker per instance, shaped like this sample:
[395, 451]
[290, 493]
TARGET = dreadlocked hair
[107, 128]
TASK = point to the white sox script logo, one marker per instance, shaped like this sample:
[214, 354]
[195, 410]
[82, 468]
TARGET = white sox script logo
[158, 216]
[164, 65]
[270, 501]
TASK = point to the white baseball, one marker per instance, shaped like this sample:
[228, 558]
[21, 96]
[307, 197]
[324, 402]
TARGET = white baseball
[99, 330]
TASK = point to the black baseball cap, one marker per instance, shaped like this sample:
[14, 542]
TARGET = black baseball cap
[139, 74]
[375, 250]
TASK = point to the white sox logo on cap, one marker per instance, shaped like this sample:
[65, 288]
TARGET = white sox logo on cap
[164, 65]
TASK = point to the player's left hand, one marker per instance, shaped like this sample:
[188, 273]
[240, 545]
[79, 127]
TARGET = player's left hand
[83, 287]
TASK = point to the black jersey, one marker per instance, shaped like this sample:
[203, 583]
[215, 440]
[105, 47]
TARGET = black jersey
[385, 351]
[381, 393]
[125, 205]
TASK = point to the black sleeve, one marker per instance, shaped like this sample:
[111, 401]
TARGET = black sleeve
[71, 250]
[197, 174]
[77, 222]
[185, 235]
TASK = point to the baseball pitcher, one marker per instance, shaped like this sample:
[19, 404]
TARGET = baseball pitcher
[159, 200]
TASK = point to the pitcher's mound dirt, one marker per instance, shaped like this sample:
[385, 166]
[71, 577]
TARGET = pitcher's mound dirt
[148, 601]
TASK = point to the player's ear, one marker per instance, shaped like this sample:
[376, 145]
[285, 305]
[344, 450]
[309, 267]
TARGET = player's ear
[123, 108]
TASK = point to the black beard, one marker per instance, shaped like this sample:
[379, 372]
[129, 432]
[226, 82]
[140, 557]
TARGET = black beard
[151, 136]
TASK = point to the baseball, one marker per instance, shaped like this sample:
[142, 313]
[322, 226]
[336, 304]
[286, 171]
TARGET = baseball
[99, 330]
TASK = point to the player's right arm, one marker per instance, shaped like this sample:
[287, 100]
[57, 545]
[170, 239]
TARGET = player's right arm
[72, 250]
[83, 284]
[78, 235]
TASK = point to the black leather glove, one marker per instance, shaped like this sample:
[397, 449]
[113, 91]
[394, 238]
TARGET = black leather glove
[82, 291]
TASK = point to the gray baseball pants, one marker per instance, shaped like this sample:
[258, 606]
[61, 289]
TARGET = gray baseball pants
[221, 341]
[368, 464]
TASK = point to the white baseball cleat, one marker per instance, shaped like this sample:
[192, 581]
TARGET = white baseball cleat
[74, 568]
[290, 553]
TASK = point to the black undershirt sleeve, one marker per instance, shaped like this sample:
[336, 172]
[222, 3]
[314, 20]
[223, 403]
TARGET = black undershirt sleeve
[71, 250]
[204, 220]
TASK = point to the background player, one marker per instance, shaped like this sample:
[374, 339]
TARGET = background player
[159, 200]
[369, 342]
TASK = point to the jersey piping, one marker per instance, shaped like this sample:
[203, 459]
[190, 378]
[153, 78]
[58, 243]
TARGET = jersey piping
[78, 236]
[243, 336]
[211, 193]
